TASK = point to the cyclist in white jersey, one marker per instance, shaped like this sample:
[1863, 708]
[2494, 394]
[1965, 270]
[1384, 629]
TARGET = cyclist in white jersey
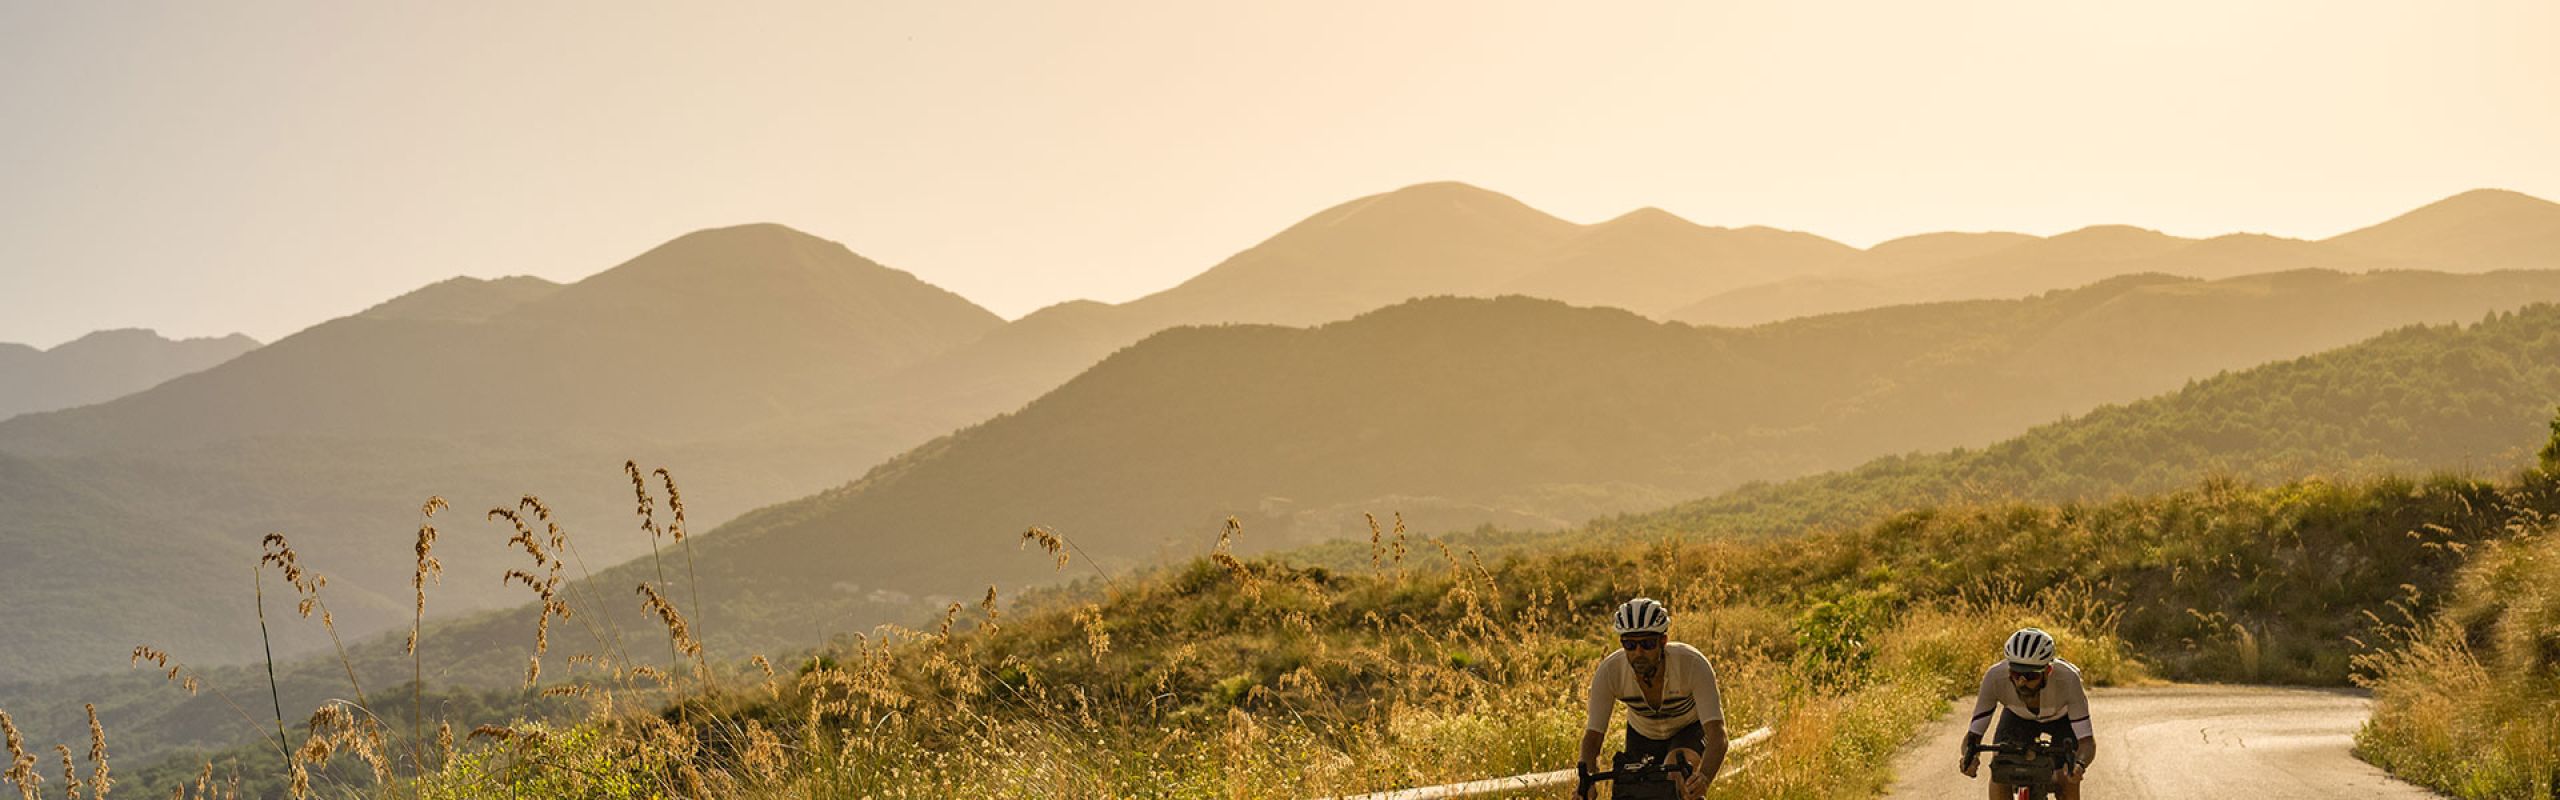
[1674, 711]
[2033, 693]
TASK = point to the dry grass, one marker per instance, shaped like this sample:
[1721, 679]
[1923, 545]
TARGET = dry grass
[2468, 701]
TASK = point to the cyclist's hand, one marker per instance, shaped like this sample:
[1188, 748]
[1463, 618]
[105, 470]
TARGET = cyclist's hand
[1968, 765]
[2071, 772]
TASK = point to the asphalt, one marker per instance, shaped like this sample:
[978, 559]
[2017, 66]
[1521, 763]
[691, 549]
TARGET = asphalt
[2194, 742]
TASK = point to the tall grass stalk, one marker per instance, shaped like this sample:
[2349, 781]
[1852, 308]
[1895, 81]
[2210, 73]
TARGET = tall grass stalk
[258, 576]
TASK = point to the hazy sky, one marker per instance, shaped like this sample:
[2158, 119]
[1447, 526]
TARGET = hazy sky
[202, 168]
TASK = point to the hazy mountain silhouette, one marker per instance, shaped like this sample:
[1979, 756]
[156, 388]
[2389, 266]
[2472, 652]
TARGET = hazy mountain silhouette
[1455, 239]
[2482, 229]
[1927, 250]
[2472, 232]
[697, 354]
[698, 335]
[464, 299]
[103, 366]
[1428, 239]
[1423, 240]
[1649, 261]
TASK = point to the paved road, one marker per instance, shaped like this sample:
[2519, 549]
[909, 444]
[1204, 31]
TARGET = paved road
[2189, 742]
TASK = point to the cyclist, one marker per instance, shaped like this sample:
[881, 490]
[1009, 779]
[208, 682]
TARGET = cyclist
[1673, 708]
[2034, 693]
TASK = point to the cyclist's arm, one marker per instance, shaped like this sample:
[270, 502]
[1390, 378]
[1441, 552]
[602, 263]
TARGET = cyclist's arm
[1710, 699]
[1595, 724]
[1986, 702]
[2076, 695]
[1710, 760]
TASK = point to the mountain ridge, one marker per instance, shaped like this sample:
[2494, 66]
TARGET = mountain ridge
[102, 365]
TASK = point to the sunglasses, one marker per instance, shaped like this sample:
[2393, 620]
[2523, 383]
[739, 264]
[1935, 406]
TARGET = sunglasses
[1641, 644]
[2021, 672]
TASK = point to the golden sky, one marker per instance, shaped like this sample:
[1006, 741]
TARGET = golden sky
[202, 168]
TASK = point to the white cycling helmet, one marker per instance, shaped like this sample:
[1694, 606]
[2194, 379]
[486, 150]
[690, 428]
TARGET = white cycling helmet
[2029, 650]
[1641, 615]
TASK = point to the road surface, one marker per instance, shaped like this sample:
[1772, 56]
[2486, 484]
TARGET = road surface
[2197, 742]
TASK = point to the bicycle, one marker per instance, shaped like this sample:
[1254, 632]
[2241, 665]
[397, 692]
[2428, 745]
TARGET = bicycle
[2029, 766]
[1635, 777]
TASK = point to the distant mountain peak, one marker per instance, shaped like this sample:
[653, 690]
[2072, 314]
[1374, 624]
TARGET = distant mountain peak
[145, 337]
[2474, 230]
[463, 298]
[1650, 217]
[2246, 236]
[1446, 190]
[1426, 206]
[749, 233]
[729, 256]
[2490, 200]
[756, 244]
[2113, 232]
[2474, 204]
[117, 335]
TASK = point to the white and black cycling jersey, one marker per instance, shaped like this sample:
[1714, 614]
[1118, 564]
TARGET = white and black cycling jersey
[1689, 693]
[2061, 699]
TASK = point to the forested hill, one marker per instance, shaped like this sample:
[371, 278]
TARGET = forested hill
[2460, 397]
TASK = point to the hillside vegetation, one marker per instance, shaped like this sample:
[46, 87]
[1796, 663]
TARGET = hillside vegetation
[1262, 678]
[2422, 398]
[2467, 700]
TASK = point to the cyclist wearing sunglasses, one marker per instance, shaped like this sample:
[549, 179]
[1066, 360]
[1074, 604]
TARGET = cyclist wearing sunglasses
[2035, 693]
[1674, 710]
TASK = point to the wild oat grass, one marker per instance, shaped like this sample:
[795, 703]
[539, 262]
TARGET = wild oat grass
[2468, 701]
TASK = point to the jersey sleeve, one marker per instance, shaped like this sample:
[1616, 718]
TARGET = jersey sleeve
[2075, 700]
[1708, 695]
[1986, 702]
[1602, 696]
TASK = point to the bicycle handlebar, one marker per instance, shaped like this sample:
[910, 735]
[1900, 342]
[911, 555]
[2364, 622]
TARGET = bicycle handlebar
[2028, 749]
[2067, 756]
[1682, 768]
